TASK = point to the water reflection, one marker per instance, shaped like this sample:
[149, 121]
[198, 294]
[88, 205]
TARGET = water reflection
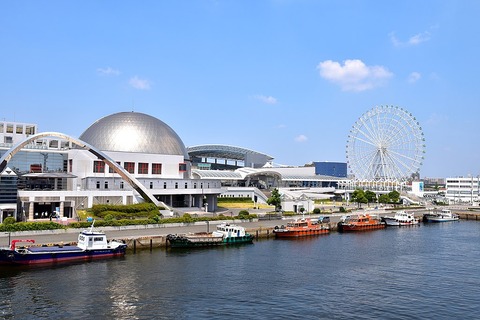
[412, 271]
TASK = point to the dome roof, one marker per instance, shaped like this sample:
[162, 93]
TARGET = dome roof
[134, 132]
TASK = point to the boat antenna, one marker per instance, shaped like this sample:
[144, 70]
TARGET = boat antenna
[91, 227]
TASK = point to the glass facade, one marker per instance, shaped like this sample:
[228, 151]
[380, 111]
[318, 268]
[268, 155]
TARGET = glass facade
[332, 169]
[8, 189]
[22, 161]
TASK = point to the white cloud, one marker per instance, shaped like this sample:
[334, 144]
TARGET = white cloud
[266, 99]
[412, 41]
[354, 75]
[414, 77]
[108, 71]
[301, 138]
[140, 84]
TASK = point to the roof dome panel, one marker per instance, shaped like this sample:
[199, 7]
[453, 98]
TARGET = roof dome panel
[134, 132]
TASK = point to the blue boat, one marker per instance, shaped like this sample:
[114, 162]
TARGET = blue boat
[91, 245]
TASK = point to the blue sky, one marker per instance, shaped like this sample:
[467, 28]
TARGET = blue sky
[288, 78]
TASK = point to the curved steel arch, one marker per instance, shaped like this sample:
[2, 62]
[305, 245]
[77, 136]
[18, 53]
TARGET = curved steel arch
[111, 163]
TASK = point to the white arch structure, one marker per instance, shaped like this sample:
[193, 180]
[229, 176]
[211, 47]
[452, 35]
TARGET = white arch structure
[102, 156]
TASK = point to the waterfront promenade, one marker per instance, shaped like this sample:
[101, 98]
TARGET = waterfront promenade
[143, 233]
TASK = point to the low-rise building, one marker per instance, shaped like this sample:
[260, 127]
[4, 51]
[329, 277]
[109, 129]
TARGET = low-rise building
[462, 189]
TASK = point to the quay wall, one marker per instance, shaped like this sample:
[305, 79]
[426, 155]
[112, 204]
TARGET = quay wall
[152, 242]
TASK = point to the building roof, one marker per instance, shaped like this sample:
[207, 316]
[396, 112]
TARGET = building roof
[223, 152]
[49, 175]
[134, 132]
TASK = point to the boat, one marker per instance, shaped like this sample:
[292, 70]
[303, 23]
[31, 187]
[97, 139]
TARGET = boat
[301, 228]
[401, 218]
[443, 215]
[91, 245]
[361, 222]
[225, 234]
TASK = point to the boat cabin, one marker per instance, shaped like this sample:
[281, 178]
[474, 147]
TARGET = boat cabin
[92, 240]
[230, 230]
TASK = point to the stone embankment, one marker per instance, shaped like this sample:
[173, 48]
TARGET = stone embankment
[154, 236]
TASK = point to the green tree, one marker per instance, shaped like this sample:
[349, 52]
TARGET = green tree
[275, 200]
[358, 196]
[371, 196]
[384, 198]
[394, 196]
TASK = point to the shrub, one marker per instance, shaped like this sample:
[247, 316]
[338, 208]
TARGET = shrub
[243, 214]
[187, 218]
[9, 220]
[316, 210]
[109, 217]
[342, 210]
[29, 226]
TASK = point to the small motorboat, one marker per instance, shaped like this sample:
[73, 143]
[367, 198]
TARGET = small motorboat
[361, 222]
[302, 228]
[443, 215]
[225, 234]
[401, 218]
[91, 245]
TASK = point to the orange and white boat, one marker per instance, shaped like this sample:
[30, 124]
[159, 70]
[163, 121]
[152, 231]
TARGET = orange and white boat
[302, 228]
[361, 222]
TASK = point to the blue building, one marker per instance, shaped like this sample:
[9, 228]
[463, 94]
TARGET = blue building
[332, 169]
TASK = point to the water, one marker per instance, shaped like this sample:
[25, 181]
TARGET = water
[427, 272]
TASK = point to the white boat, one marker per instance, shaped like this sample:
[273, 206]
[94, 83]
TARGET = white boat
[444, 215]
[401, 218]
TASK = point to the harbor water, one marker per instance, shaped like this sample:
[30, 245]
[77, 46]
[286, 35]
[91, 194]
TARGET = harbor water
[426, 272]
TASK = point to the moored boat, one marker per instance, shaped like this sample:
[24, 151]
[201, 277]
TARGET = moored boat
[361, 222]
[401, 218]
[225, 234]
[301, 228]
[91, 245]
[444, 215]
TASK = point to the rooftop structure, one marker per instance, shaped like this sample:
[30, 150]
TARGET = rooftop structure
[217, 156]
[134, 132]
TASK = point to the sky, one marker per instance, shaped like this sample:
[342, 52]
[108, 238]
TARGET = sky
[288, 78]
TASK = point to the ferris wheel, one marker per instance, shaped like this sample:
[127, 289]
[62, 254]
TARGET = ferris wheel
[386, 143]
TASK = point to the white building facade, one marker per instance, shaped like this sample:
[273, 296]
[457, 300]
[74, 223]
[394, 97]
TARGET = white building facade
[462, 190]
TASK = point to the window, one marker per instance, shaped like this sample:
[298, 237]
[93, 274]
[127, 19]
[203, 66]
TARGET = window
[164, 185]
[29, 130]
[182, 167]
[110, 169]
[9, 128]
[186, 185]
[194, 185]
[98, 184]
[142, 168]
[1, 127]
[156, 168]
[106, 184]
[176, 185]
[151, 185]
[129, 166]
[70, 165]
[98, 166]
[121, 184]
[19, 129]
[8, 139]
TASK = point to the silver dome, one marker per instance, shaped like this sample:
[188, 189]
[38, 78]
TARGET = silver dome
[134, 132]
